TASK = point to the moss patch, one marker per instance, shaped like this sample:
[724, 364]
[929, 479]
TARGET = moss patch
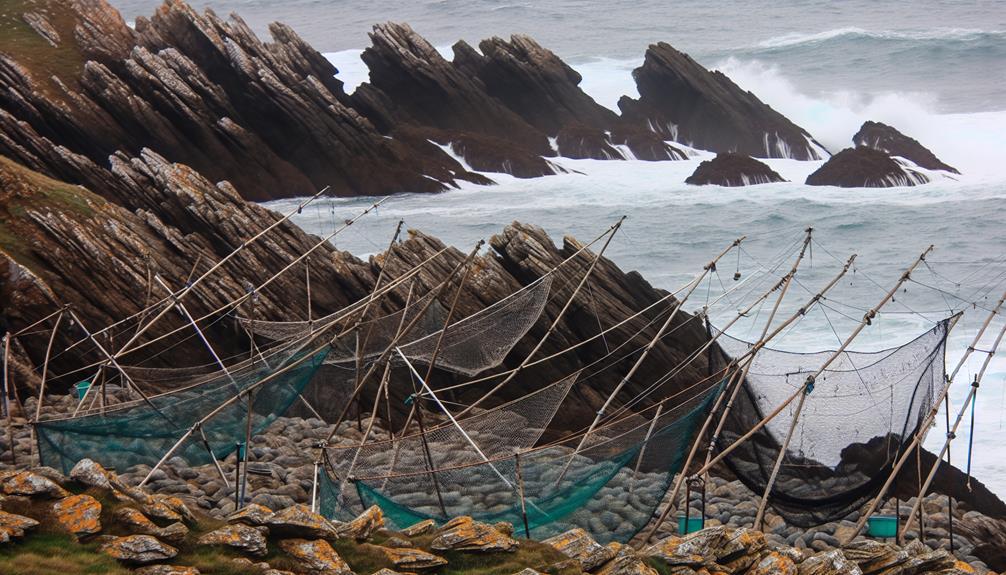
[22, 43]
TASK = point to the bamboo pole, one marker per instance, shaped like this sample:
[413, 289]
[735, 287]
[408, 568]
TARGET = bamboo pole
[927, 422]
[541, 342]
[740, 367]
[867, 320]
[520, 489]
[642, 449]
[808, 385]
[952, 431]
[45, 365]
[6, 397]
[711, 266]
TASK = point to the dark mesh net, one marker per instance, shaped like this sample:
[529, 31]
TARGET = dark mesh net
[611, 489]
[858, 416]
[140, 433]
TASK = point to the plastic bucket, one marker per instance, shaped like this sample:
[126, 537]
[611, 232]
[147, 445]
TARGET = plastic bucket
[882, 526]
[81, 387]
[690, 525]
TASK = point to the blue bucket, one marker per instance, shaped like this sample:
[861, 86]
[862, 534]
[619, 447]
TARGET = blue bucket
[882, 526]
[81, 387]
[694, 523]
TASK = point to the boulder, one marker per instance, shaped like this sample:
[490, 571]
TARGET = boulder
[298, 521]
[424, 527]
[363, 526]
[626, 562]
[683, 101]
[734, 548]
[874, 556]
[465, 534]
[890, 141]
[78, 514]
[864, 167]
[732, 170]
[239, 537]
[411, 559]
[578, 544]
[14, 526]
[166, 570]
[774, 563]
[252, 514]
[829, 563]
[91, 474]
[139, 550]
[139, 524]
[30, 484]
[315, 557]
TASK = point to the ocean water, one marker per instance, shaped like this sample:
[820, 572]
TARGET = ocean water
[934, 69]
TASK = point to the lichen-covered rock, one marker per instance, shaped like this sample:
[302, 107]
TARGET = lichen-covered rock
[237, 536]
[78, 514]
[139, 550]
[300, 522]
[166, 570]
[30, 484]
[424, 527]
[13, 526]
[465, 534]
[169, 508]
[874, 556]
[252, 514]
[315, 557]
[364, 525]
[578, 544]
[411, 559]
[626, 562]
[91, 474]
[832, 562]
[140, 524]
[774, 563]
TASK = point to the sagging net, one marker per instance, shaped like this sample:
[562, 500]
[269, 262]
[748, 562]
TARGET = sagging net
[140, 433]
[611, 488]
[860, 414]
[515, 425]
[468, 346]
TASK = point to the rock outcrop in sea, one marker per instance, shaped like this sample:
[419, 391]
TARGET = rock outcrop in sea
[889, 140]
[865, 167]
[685, 102]
[728, 169]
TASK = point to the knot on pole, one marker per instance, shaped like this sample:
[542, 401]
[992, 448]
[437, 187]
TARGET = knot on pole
[809, 386]
[976, 384]
[951, 435]
[868, 318]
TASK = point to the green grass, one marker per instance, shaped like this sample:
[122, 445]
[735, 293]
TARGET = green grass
[56, 554]
[28, 48]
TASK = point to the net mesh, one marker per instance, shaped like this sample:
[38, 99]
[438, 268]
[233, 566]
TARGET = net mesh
[478, 342]
[859, 415]
[140, 433]
[611, 488]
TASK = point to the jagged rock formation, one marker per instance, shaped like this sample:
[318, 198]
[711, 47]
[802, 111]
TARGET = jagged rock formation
[684, 102]
[864, 167]
[889, 140]
[728, 169]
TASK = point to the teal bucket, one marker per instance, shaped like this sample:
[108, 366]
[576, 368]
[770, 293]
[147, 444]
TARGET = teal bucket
[81, 387]
[690, 524]
[882, 526]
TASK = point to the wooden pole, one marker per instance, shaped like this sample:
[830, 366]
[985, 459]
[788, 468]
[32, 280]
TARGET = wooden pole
[927, 422]
[520, 490]
[642, 449]
[45, 365]
[711, 266]
[248, 428]
[952, 430]
[6, 397]
[527, 359]
[808, 385]
[427, 456]
[307, 281]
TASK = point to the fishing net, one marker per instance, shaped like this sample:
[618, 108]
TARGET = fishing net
[860, 413]
[611, 487]
[471, 345]
[140, 433]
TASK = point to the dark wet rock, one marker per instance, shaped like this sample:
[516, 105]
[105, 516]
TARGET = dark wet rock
[646, 145]
[582, 142]
[728, 169]
[864, 167]
[685, 102]
[889, 140]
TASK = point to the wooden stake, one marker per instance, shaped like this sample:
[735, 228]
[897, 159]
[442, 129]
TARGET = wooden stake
[711, 266]
[520, 490]
[808, 385]
[642, 449]
[6, 397]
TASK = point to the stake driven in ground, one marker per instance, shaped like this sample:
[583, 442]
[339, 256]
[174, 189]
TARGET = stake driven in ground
[711, 266]
[807, 387]
[927, 422]
[951, 433]
[611, 234]
[738, 365]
